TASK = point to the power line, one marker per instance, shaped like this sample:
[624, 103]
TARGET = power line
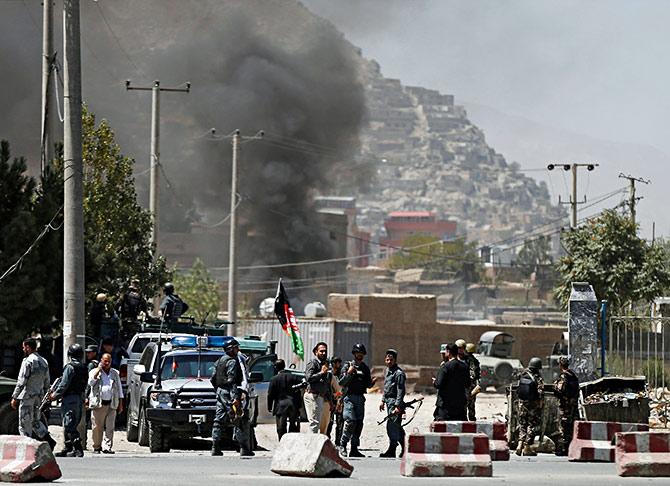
[45, 230]
[118, 42]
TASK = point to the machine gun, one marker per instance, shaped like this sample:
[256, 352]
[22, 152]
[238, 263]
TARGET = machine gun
[402, 408]
[45, 404]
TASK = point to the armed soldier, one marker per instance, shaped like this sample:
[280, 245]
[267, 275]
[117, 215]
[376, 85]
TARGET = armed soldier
[71, 392]
[319, 390]
[227, 381]
[355, 381]
[475, 376]
[31, 386]
[172, 306]
[531, 405]
[393, 402]
[567, 390]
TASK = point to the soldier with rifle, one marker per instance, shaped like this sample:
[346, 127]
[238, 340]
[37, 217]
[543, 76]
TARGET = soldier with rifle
[393, 402]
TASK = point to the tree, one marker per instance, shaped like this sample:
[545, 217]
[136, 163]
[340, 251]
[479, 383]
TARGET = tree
[199, 290]
[455, 258]
[117, 229]
[533, 254]
[607, 253]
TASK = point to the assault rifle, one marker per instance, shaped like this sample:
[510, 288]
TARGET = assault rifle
[45, 404]
[402, 408]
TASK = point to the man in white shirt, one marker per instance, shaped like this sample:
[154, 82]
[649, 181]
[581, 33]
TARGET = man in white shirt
[105, 400]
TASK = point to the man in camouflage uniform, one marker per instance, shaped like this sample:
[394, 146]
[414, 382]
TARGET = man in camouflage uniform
[475, 375]
[70, 390]
[31, 386]
[567, 390]
[530, 407]
[227, 380]
[393, 401]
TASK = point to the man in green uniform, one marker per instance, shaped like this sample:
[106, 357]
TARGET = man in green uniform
[567, 390]
[531, 403]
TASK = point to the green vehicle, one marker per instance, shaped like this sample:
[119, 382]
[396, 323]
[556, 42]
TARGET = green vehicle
[9, 418]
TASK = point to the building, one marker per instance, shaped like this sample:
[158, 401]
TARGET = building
[357, 241]
[401, 224]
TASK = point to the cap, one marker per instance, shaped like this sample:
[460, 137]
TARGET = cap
[391, 352]
[443, 348]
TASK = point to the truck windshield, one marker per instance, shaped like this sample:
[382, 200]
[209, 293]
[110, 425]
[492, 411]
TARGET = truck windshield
[186, 366]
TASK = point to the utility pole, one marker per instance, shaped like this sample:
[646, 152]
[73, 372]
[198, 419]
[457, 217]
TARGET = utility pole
[232, 244]
[154, 158]
[48, 59]
[632, 200]
[573, 199]
[232, 258]
[74, 325]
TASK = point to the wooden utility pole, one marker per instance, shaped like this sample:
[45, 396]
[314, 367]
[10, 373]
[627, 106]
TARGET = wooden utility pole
[632, 200]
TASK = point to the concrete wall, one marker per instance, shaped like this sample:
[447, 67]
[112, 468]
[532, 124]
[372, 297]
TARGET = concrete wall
[408, 324]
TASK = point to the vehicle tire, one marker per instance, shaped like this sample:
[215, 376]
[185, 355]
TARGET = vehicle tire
[157, 439]
[143, 429]
[9, 420]
[503, 372]
[131, 430]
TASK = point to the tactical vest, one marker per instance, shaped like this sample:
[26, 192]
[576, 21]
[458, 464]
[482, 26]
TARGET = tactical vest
[79, 379]
[222, 372]
[571, 385]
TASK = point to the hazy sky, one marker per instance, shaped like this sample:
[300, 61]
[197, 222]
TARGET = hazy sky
[596, 67]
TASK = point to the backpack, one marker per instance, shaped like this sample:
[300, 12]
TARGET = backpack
[527, 390]
[571, 385]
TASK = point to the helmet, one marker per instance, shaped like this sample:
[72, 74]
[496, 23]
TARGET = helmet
[75, 351]
[535, 363]
[168, 288]
[460, 343]
[470, 348]
[359, 348]
[563, 361]
[230, 344]
[91, 348]
[101, 297]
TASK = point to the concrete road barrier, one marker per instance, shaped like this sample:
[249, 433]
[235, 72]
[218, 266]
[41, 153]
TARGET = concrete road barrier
[643, 454]
[309, 455]
[594, 441]
[495, 430]
[23, 459]
[442, 454]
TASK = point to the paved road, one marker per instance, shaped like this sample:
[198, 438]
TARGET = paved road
[193, 468]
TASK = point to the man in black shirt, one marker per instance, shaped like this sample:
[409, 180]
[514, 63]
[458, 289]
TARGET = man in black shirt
[284, 400]
[452, 383]
[355, 382]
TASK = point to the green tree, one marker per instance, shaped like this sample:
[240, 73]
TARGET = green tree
[534, 254]
[200, 291]
[607, 253]
[117, 229]
[455, 258]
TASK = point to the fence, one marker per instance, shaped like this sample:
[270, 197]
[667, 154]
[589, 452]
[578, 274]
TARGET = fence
[640, 346]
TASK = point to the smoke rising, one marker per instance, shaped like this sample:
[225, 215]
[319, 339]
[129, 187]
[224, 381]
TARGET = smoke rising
[254, 65]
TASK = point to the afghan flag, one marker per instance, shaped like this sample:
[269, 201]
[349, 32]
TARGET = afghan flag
[287, 320]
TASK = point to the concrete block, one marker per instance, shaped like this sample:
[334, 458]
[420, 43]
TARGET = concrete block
[645, 454]
[308, 455]
[23, 459]
[594, 441]
[443, 454]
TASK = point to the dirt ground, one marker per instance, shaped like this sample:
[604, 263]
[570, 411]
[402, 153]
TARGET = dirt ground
[489, 406]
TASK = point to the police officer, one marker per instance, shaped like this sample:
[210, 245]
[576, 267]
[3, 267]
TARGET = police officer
[172, 306]
[452, 382]
[566, 388]
[71, 390]
[31, 386]
[128, 308]
[531, 404]
[475, 375]
[355, 381]
[393, 402]
[227, 381]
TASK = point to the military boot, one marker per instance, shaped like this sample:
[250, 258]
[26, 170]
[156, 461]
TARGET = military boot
[78, 450]
[390, 452]
[246, 452]
[216, 448]
[354, 452]
[519, 448]
[402, 449]
[66, 450]
[342, 450]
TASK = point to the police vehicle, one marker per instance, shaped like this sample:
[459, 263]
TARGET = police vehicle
[170, 395]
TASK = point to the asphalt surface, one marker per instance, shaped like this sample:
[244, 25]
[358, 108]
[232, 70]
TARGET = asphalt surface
[201, 469]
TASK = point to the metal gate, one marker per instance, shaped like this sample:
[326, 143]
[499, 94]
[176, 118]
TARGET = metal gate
[639, 345]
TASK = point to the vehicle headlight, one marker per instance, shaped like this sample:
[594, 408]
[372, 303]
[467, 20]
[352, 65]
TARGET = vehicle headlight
[162, 399]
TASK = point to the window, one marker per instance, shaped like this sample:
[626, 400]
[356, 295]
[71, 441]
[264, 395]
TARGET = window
[265, 366]
[147, 357]
[188, 366]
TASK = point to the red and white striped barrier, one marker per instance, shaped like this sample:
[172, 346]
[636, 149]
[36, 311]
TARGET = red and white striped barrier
[496, 431]
[643, 454]
[23, 459]
[437, 454]
[594, 441]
